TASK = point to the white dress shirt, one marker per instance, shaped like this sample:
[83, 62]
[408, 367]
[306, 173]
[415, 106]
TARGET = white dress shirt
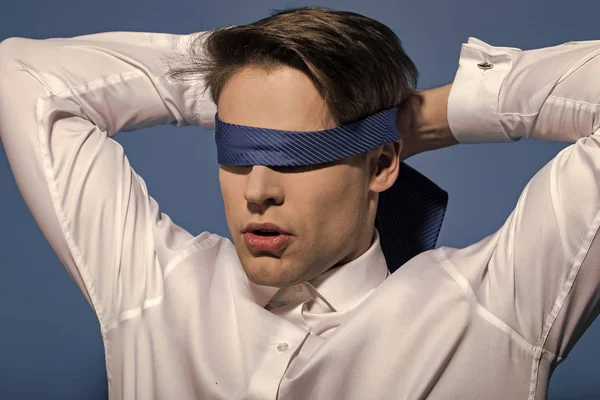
[178, 316]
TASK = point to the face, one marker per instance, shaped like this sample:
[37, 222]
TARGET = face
[327, 210]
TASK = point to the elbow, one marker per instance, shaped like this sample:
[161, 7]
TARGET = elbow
[11, 65]
[14, 81]
[8, 64]
[16, 53]
[9, 50]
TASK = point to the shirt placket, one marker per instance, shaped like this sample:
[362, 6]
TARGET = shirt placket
[284, 346]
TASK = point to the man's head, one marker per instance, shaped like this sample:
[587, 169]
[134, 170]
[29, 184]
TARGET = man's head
[304, 70]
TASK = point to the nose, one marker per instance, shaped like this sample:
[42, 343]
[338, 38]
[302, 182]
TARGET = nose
[263, 188]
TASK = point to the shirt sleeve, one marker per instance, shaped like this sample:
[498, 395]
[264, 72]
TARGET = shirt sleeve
[542, 268]
[61, 102]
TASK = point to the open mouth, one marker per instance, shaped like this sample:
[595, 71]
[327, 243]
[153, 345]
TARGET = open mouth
[267, 237]
[262, 232]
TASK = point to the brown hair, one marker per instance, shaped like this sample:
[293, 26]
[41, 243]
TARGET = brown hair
[357, 64]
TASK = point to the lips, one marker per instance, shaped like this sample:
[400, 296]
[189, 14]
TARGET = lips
[266, 237]
[265, 228]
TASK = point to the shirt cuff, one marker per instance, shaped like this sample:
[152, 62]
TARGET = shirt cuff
[473, 115]
[199, 107]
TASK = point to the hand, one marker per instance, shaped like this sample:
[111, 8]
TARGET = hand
[423, 122]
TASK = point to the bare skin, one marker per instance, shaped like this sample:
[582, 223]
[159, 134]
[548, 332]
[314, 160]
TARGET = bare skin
[423, 122]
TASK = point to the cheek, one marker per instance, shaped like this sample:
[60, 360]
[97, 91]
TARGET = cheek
[231, 191]
[331, 203]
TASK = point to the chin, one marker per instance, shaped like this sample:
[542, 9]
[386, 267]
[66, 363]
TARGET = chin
[269, 271]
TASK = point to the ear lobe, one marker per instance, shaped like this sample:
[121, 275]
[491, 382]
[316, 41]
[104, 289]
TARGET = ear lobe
[387, 167]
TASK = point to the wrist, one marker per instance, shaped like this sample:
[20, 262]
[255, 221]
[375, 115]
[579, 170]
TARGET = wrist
[432, 115]
[430, 130]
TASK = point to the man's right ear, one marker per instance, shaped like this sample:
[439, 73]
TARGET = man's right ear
[386, 166]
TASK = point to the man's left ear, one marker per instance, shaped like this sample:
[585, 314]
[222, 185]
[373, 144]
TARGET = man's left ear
[386, 165]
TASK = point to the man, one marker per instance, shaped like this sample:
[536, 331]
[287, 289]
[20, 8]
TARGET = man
[300, 305]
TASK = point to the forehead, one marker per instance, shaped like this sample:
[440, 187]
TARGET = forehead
[281, 98]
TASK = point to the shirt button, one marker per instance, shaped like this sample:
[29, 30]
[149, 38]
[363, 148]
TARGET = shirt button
[283, 347]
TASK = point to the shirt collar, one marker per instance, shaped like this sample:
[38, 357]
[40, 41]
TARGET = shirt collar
[343, 286]
[347, 285]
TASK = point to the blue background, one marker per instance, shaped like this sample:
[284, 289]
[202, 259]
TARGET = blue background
[50, 343]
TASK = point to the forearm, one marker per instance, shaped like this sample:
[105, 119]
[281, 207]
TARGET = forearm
[117, 78]
[551, 93]
[428, 118]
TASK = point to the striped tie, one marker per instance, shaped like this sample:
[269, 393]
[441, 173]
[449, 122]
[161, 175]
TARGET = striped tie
[409, 216]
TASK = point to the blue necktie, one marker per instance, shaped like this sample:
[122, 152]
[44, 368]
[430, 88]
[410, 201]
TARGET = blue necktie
[409, 216]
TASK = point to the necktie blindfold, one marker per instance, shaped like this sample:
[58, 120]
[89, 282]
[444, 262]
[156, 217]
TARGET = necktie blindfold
[243, 145]
[409, 214]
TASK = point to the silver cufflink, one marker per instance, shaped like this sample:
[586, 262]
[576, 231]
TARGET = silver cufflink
[485, 65]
